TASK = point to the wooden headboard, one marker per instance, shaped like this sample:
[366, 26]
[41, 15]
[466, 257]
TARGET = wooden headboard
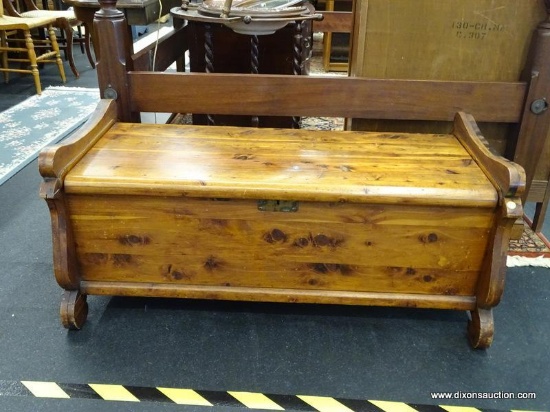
[129, 79]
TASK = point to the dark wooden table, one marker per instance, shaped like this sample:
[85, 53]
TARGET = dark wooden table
[284, 52]
[137, 13]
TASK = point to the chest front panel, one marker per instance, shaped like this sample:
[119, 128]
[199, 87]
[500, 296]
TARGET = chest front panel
[324, 246]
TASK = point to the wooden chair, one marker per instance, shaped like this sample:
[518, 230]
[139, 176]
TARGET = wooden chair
[65, 20]
[12, 26]
[340, 22]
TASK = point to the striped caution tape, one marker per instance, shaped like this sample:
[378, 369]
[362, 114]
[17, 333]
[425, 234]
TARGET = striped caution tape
[249, 400]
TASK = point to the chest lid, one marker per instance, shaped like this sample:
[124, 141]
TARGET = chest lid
[299, 165]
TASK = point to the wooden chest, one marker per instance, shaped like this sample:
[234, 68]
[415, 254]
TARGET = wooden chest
[417, 220]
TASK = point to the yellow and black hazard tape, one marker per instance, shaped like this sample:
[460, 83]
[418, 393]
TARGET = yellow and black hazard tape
[247, 400]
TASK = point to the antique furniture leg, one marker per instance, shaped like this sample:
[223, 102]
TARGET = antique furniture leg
[541, 209]
[74, 309]
[509, 180]
[87, 44]
[86, 16]
[32, 58]
[69, 38]
[4, 44]
[79, 30]
[55, 47]
[54, 165]
[491, 282]
[481, 328]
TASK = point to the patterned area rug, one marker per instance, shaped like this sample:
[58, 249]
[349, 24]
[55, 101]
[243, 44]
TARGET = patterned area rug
[530, 244]
[41, 120]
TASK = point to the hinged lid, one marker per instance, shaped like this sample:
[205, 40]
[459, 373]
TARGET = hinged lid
[280, 164]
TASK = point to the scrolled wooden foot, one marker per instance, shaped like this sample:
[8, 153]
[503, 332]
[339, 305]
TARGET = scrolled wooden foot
[481, 328]
[74, 309]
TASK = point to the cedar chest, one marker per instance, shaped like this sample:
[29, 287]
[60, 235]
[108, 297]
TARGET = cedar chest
[212, 212]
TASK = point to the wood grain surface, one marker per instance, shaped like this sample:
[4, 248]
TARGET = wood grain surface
[231, 162]
[377, 212]
[322, 246]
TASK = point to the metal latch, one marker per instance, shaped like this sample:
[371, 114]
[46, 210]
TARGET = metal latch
[277, 205]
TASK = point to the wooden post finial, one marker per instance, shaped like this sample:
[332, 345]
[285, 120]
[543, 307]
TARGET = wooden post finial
[115, 57]
[108, 9]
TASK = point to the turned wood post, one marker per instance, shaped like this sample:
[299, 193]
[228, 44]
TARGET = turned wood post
[115, 58]
[209, 60]
[255, 68]
[297, 61]
[535, 123]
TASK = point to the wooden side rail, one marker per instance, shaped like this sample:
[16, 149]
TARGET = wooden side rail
[281, 95]
[509, 180]
[55, 161]
[507, 177]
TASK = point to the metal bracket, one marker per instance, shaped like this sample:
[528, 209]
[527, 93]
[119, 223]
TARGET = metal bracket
[277, 206]
[110, 93]
[538, 106]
